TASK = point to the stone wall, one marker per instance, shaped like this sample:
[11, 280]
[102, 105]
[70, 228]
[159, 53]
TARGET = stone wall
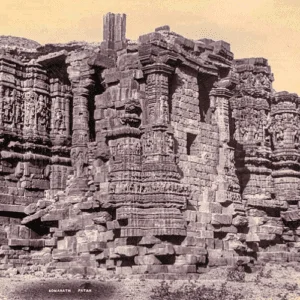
[197, 142]
[162, 155]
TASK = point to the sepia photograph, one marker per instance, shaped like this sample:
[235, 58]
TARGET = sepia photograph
[149, 150]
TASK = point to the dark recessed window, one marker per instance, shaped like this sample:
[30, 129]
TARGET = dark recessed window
[190, 141]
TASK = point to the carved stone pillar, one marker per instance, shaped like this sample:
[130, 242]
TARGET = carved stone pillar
[11, 110]
[157, 94]
[80, 77]
[285, 131]
[251, 113]
[219, 102]
[162, 196]
[60, 112]
[227, 183]
[229, 190]
[157, 139]
[114, 31]
[36, 103]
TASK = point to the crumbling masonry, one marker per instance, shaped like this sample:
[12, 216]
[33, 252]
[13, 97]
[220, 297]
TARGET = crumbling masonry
[162, 155]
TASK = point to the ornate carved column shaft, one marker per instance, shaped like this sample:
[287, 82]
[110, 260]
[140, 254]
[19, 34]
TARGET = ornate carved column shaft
[161, 193]
[285, 131]
[80, 77]
[60, 111]
[251, 112]
[228, 190]
[219, 98]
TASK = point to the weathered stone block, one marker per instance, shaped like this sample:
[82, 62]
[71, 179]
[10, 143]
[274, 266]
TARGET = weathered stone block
[180, 250]
[51, 242]
[190, 215]
[204, 218]
[189, 259]
[102, 218]
[74, 224]
[219, 219]
[161, 249]
[127, 251]
[96, 246]
[55, 215]
[149, 240]
[181, 269]
[111, 225]
[77, 270]
[124, 271]
[209, 207]
[62, 255]
[147, 260]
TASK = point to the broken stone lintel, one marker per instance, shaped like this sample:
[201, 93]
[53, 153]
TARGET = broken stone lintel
[53, 58]
[33, 217]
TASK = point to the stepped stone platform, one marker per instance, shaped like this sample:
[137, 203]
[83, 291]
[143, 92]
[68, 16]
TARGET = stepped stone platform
[163, 155]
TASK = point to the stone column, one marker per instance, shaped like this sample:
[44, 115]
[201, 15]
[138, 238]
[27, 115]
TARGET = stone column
[219, 98]
[81, 81]
[67, 102]
[157, 139]
[229, 189]
[285, 131]
[114, 31]
[60, 133]
[60, 112]
[251, 115]
[162, 195]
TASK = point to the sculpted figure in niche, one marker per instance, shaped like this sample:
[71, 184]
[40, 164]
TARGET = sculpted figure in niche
[148, 144]
[170, 144]
[248, 79]
[30, 109]
[41, 112]
[244, 130]
[112, 188]
[120, 149]
[267, 122]
[47, 113]
[164, 110]
[59, 121]
[78, 162]
[255, 130]
[80, 138]
[19, 111]
[138, 148]
[6, 107]
[279, 133]
[9, 105]
[258, 81]
[236, 134]
[265, 81]
[151, 114]
[229, 162]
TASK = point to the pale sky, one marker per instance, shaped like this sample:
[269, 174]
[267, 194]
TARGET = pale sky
[254, 28]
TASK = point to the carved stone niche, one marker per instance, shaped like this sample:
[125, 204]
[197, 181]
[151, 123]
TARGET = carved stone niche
[12, 108]
[36, 114]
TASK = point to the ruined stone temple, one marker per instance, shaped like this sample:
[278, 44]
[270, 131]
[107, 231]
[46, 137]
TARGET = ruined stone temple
[161, 155]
